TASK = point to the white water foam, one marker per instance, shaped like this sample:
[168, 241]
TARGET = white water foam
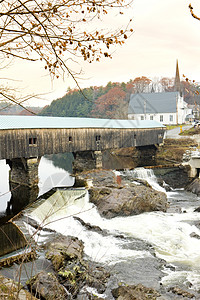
[148, 175]
[169, 233]
[58, 213]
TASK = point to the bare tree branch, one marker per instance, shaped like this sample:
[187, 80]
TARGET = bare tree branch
[192, 13]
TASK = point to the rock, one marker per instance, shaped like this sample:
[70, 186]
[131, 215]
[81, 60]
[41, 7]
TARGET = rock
[194, 235]
[134, 292]
[64, 249]
[88, 226]
[98, 178]
[112, 202]
[11, 290]
[66, 254]
[175, 177]
[97, 277]
[35, 224]
[194, 186]
[115, 196]
[46, 286]
[176, 290]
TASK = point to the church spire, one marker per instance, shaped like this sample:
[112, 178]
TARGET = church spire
[177, 81]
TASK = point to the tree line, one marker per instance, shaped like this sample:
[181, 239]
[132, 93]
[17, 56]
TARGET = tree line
[112, 100]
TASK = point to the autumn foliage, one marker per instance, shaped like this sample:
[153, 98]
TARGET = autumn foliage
[141, 84]
[107, 105]
[112, 100]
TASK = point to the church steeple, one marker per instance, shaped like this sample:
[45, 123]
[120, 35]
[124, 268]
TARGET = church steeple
[177, 81]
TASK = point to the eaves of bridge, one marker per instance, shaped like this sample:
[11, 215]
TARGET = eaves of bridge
[39, 122]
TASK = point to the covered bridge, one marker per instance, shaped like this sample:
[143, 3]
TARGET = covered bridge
[35, 136]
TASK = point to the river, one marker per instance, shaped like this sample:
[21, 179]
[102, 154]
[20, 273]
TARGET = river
[134, 247]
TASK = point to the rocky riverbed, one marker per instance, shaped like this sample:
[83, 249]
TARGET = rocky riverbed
[71, 274]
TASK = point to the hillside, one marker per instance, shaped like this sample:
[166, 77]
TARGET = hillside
[104, 102]
[112, 100]
[10, 109]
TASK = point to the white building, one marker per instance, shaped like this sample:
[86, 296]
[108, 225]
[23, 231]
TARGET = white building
[166, 108]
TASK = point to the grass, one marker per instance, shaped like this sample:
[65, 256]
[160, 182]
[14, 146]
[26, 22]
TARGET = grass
[173, 150]
[168, 127]
[191, 131]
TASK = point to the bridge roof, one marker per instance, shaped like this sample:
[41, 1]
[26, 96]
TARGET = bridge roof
[39, 122]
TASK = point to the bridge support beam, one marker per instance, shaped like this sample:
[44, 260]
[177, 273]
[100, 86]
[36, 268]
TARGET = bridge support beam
[87, 160]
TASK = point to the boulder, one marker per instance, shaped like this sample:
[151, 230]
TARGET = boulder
[97, 178]
[194, 186]
[46, 286]
[66, 255]
[128, 200]
[64, 249]
[12, 290]
[115, 195]
[134, 292]
[178, 291]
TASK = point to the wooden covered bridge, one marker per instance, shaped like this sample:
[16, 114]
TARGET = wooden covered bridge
[24, 139]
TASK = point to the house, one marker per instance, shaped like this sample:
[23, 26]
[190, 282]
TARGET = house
[195, 110]
[166, 107]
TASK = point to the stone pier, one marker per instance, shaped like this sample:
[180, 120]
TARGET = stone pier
[24, 171]
[23, 181]
[87, 160]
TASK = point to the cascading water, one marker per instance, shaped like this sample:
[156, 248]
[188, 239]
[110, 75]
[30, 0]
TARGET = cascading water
[148, 175]
[170, 234]
[58, 212]
[126, 243]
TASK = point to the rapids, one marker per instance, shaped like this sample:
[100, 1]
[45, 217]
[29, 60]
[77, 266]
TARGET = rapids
[170, 234]
[156, 249]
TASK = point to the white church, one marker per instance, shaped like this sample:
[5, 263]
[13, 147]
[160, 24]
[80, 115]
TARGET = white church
[166, 107]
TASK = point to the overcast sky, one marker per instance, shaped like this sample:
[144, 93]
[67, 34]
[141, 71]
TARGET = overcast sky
[163, 32]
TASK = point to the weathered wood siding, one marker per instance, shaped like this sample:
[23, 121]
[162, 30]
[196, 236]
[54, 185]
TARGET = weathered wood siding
[37, 142]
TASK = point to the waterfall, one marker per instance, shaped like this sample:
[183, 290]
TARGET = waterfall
[61, 204]
[147, 175]
[57, 213]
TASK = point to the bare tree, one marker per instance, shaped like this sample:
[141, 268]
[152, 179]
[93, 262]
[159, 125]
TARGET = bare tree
[56, 31]
[167, 83]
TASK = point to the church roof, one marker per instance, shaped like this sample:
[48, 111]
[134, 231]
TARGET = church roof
[152, 103]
